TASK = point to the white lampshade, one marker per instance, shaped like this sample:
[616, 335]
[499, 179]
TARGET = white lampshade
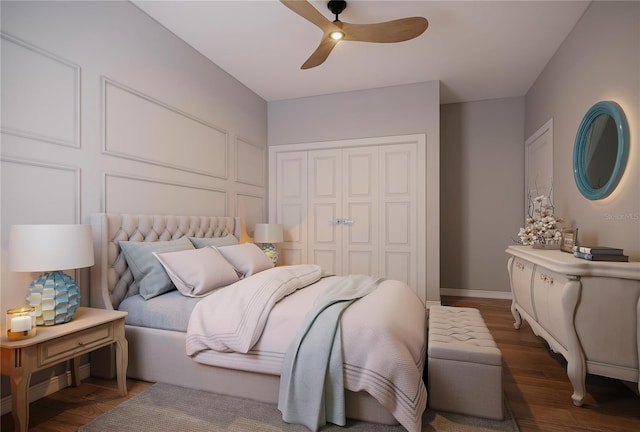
[268, 233]
[41, 248]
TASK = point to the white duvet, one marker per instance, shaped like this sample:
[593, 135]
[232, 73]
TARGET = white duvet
[250, 324]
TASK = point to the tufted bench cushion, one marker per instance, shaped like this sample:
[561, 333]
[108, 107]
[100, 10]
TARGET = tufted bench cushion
[464, 364]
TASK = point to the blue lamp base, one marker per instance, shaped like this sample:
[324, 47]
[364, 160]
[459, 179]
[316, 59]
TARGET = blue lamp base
[271, 251]
[55, 297]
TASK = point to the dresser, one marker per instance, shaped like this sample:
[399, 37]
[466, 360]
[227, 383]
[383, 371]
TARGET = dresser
[587, 311]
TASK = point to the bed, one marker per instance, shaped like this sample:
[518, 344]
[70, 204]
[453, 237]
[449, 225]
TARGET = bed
[157, 344]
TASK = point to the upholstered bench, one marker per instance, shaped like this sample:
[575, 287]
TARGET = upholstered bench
[464, 364]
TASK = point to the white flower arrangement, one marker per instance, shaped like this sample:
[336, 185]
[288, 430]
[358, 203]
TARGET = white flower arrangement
[541, 226]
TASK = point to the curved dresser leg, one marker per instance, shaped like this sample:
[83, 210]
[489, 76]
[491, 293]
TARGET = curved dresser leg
[576, 365]
[516, 315]
[514, 311]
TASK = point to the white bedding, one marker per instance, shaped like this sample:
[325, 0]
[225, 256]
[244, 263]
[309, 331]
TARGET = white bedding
[383, 334]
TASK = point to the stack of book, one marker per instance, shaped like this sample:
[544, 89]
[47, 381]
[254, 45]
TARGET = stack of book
[600, 253]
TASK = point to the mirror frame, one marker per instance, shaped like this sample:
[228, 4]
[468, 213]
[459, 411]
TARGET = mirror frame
[582, 143]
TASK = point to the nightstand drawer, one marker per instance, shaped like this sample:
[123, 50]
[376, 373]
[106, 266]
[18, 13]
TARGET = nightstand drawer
[73, 345]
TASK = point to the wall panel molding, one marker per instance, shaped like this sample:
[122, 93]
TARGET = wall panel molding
[252, 210]
[139, 127]
[250, 163]
[40, 94]
[122, 193]
[75, 172]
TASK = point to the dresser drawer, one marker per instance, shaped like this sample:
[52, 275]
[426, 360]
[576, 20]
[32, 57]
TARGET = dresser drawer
[73, 345]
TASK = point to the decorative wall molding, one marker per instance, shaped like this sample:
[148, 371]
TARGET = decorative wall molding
[173, 206]
[252, 210]
[47, 165]
[250, 163]
[27, 98]
[139, 127]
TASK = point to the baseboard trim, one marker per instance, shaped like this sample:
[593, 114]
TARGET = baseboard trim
[48, 387]
[454, 292]
[430, 303]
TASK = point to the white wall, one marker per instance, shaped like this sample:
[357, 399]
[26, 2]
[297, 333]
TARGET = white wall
[482, 184]
[105, 110]
[398, 110]
[599, 60]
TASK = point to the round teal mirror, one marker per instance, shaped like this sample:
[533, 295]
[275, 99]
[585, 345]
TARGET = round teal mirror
[600, 150]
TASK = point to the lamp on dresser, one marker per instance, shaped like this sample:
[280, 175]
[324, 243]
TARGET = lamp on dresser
[51, 249]
[267, 234]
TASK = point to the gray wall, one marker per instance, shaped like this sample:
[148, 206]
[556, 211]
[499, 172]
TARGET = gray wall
[599, 60]
[57, 167]
[397, 110]
[482, 183]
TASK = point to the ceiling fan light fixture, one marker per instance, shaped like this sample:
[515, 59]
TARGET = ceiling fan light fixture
[398, 30]
[336, 35]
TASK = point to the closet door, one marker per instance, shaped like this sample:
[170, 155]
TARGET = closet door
[398, 213]
[291, 205]
[325, 209]
[360, 226]
[354, 206]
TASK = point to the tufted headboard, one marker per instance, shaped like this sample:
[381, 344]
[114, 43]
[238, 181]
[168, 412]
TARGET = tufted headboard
[110, 276]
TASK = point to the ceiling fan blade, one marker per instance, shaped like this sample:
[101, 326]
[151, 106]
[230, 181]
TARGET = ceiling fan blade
[320, 54]
[385, 32]
[308, 12]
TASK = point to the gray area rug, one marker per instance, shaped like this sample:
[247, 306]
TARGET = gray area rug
[168, 408]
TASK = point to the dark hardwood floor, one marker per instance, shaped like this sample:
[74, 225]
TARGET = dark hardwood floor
[535, 382]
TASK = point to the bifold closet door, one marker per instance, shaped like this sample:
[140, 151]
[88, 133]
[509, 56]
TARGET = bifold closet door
[360, 228]
[398, 213]
[343, 191]
[291, 202]
[325, 209]
[354, 206]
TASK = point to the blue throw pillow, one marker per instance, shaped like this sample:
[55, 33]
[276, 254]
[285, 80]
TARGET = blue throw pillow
[147, 271]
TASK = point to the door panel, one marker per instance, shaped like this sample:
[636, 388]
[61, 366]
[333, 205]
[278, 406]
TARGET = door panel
[361, 262]
[326, 259]
[359, 172]
[360, 201]
[399, 266]
[324, 232]
[291, 205]
[398, 212]
[397, 224]
[359, 231]
[325, 206]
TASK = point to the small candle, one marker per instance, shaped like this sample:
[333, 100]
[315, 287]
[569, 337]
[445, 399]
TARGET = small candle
[21, 323]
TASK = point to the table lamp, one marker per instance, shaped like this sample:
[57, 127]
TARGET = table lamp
[267, 234]
[50, 249]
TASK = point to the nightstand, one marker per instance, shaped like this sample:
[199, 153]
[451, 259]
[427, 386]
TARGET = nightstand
[89, 330]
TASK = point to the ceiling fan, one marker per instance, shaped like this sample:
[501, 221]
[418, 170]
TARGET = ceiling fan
[385, 32]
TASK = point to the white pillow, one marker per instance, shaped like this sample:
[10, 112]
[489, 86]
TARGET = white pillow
[197, 272]
[247, 258]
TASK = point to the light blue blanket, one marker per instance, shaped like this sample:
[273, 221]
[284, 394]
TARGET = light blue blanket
[311, 381]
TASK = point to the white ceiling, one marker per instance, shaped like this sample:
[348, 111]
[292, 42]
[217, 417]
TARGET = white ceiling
[477, 49]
